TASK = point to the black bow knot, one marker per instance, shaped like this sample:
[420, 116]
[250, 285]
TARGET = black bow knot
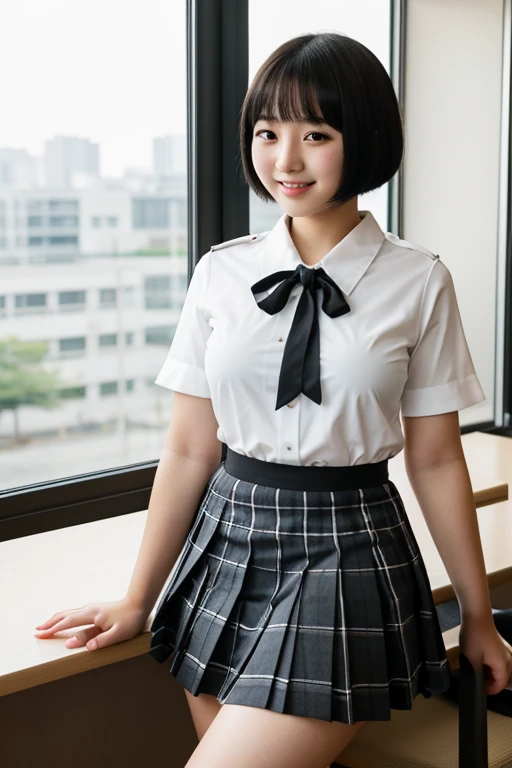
[300, 369]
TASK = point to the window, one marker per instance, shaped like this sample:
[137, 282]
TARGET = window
[151, 213]
[157, 291]
[63, 205]
[72, 346]
[108, 298]
[63, 240]
[63, 221]
[30, 300]
[71, 300]
[101, 206]
[108, 388]
[108, 340]
[72, 393]
[160, 335]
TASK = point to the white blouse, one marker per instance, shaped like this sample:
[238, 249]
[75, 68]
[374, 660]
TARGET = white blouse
[401, 347]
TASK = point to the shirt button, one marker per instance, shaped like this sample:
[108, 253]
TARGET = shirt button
[293, 403]
[288, 447]
[320, 463]
[280, 338]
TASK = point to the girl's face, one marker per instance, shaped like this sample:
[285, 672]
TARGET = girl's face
[298, 152]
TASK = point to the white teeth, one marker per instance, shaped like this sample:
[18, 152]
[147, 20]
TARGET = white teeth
[293, 186]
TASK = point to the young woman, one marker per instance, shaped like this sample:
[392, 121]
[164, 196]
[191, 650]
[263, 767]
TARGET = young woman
[297, 595]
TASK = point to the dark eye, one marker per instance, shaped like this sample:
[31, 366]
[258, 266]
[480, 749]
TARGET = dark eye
[321, 136]
[266, 130]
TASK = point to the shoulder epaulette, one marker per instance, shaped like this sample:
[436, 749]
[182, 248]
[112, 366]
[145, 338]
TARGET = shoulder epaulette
[406, 244]
[235, 241]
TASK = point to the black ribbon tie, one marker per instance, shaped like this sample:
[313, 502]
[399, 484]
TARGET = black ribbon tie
[300, 368]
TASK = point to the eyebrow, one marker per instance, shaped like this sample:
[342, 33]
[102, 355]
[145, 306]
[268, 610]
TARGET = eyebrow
[312, 121]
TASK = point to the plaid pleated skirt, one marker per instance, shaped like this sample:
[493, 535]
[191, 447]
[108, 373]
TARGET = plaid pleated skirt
[302, 590]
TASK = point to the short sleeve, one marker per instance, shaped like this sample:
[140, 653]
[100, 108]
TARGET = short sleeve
[183, 369]
[441, 375]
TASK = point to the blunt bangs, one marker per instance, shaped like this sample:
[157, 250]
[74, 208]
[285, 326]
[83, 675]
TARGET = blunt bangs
[329, 78]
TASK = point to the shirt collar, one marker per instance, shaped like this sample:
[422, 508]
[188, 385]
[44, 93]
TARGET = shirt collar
[346, 263]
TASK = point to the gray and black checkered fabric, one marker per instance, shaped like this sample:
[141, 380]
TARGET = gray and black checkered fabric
[312, 603]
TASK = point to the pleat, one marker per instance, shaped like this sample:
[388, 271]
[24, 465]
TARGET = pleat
[263, 617]
[397, 593]
[341, 703]
[188, 569]
[189, 668]
[340, 674]
[231, 641]
[217, 611]
[309, 668]
[280, 683]
[360, 662]
[189, 607]
[434, 674]
[256, 661]
[405, 596]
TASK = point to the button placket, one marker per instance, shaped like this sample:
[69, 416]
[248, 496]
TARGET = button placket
[291, 427]
[287, 416]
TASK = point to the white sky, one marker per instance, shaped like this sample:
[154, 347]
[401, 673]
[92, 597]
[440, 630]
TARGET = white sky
[113, 71]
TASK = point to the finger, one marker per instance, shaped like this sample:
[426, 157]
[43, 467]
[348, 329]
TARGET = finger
[74, 642]
[498, 681]
[104, 639]
[67, 622]
[81, 638]
[57, 617]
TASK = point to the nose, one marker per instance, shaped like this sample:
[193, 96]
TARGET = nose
[288, 157]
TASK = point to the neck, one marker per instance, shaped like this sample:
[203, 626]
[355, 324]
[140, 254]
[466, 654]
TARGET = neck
[316, 235]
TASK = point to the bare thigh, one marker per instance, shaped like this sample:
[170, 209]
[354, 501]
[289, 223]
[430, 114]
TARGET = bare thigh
[239, 736]
[203, 709]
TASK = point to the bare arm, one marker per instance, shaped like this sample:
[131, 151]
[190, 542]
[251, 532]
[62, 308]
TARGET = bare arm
[439, 477]
[190, 455]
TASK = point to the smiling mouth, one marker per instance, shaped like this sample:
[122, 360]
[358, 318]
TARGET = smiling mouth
[290, 185]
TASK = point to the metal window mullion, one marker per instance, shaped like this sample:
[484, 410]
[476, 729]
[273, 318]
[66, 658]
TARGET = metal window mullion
[503, 352]
[217, 74]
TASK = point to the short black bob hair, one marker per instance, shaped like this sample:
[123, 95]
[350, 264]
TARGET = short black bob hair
[329, 77]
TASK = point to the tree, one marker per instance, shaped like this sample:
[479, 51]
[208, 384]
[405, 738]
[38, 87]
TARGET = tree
[23, 380]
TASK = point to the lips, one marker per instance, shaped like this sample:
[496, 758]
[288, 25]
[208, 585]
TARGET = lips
[306, 183]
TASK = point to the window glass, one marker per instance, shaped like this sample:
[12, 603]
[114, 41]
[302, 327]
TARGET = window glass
[93, 262]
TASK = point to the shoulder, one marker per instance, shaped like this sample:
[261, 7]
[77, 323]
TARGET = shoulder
[401, 243]
[243, 240]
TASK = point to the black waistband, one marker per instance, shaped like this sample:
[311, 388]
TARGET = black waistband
[301, 478]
